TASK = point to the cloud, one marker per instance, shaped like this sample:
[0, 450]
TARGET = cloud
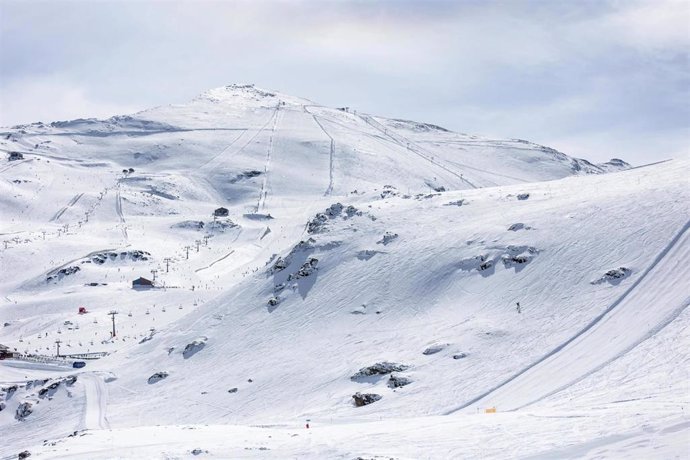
[530, 69]
[48, 99]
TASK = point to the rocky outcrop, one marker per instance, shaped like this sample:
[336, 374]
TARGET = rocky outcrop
[24, 410]
[364, 399]
[194, 347]
[614, 276]
[396, 381]
[157, 377]
[382, 368]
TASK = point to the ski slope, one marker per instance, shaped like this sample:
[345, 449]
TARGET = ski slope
[648, 306]
[351, 240]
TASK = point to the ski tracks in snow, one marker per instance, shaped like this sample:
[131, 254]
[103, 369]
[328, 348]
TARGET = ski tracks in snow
[651, 303]
[411, 146]
[261, 203]
[329, 190]
[118, 210]
[96, 402]
[71, 203]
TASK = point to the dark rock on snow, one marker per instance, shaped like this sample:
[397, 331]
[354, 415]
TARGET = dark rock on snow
[363, 399]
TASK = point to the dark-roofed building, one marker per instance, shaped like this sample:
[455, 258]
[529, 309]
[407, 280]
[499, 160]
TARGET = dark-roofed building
[221, 212]
[142, 283]
[5, 352]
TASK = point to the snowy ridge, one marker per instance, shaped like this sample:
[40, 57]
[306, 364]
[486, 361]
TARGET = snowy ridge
[306, 258]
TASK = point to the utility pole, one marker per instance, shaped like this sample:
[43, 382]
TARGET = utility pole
[44, 234]
[205, 240]
[198, 242]
[58, 342]
[112, 314]
[167, 264]
[153, 272]
[187, 249]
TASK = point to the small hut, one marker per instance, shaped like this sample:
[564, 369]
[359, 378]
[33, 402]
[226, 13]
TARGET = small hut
[221, 212]
[142, 283]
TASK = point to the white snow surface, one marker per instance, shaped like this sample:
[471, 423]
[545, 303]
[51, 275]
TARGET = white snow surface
[410, 250]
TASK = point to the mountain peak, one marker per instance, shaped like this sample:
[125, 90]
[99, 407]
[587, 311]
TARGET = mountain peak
[250, 93]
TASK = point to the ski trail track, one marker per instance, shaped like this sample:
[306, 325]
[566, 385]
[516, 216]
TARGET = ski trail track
[329, 189]
[96, 402]
[261, 203]
[214, 162]
[71, 203]
[214, 262]
[644, 309]
[118, 209]
[411, 146]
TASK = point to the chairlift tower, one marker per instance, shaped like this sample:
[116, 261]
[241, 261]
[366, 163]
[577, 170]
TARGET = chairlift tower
[112, 315]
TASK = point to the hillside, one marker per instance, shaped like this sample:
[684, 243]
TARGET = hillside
[358, 254]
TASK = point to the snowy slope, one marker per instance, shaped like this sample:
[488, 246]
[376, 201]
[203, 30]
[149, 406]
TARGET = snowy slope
[351, 240]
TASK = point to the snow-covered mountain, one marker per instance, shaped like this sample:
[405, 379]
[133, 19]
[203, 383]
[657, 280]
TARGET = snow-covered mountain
[389, 282]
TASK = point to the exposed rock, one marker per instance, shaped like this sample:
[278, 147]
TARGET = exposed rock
[363, 399]
[23, 455]
[522, 196]
[24, 410]
[389, 191]
[135, 255]
[232, 390]
[158, 376]
[456, 203]
[381, 368]
[245, 175]
[387, 238]
[396, 381]
[58, 275]
[301, 247]
[460, 355]
[190, 224]
[309, 267]
[318, 223]
[614, 276]
[193, 347]
[519, 226]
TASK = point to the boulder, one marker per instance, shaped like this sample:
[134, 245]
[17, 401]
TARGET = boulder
[382, 368]
[24, 410]
[396, 381]
[363, 399]
[157, 377]
[193, 347]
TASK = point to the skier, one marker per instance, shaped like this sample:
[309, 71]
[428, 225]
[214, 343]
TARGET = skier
[519, 309]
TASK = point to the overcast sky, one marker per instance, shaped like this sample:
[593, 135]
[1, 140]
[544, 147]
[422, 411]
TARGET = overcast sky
[594, 79]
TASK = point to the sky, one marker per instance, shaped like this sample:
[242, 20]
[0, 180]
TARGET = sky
[593, 79]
